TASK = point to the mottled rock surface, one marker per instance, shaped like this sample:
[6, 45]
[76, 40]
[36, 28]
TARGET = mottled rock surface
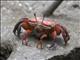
[73, 55]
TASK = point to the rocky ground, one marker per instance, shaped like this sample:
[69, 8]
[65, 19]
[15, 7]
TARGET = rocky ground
[73, 55]
[66, 14]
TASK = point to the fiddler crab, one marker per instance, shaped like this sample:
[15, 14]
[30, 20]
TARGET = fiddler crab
[44, 28]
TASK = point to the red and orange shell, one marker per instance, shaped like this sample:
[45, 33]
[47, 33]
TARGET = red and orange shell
[40, 21]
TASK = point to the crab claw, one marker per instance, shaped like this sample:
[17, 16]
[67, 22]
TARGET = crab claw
[25, 42]
[39, 46]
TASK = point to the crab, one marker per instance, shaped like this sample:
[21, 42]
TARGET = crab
[43, 28]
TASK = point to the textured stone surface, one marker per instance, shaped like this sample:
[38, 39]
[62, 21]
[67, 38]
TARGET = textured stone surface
[73, 55]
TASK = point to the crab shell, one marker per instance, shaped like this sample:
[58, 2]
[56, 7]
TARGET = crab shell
[44, 23]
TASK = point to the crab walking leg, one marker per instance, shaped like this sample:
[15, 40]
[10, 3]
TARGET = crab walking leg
[25, 37]
[66, 37]
[53, 35]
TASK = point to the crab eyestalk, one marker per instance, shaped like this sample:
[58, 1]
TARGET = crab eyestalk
[43, 18]
[35, 17]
